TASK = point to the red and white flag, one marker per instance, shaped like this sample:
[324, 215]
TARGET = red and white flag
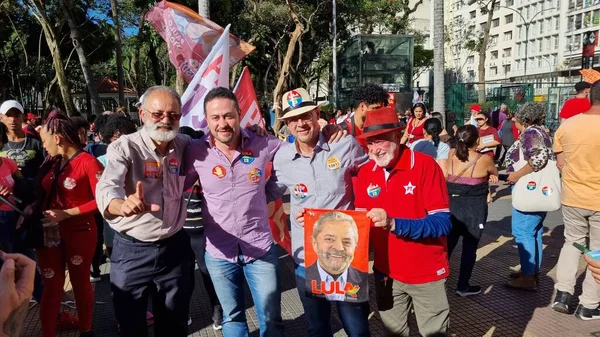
[190, 37]
[214, 72]
[249, 109]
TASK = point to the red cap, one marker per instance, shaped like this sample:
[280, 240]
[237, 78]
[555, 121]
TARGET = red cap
[32, 116]
[475, 107]
[380, 121]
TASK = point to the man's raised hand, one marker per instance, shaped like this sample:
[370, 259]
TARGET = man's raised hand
[136, 204]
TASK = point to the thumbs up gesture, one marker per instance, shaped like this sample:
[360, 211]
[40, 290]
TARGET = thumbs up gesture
[136, 204]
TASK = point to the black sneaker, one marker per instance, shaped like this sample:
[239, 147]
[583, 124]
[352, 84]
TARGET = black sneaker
[471, 291]
[217, 317]
[586, 314]
[562, 300]
[87, 334]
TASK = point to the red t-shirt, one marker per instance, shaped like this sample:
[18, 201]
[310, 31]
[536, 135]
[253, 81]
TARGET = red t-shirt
[76, 187]
[574, 106]
[490, 131]
[416, 132]
[415, 188]
[7, 170]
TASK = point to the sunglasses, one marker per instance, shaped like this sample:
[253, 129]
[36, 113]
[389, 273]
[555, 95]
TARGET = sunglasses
[157, 116]
[479, 119]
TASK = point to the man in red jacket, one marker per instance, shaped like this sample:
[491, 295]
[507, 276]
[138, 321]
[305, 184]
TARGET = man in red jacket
[411, 259]
[578, 104]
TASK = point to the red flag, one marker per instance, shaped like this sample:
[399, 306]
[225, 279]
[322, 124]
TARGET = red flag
[191, 37]
[249, 109]
[278, 220]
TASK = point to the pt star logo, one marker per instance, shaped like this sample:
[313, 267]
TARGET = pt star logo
[409, 189]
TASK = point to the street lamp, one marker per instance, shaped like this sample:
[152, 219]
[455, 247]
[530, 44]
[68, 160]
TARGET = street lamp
[526, 23]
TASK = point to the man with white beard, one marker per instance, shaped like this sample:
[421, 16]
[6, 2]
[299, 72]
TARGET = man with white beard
[140, 195]
[406, 196]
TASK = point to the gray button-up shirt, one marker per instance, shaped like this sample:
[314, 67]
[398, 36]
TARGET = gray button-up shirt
[134, 158]
[321, 181]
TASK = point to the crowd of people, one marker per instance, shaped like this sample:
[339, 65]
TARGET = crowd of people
[162, 198]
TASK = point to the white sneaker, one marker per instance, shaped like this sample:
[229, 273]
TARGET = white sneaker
[95, 279]
[217, 327]
[189, 321]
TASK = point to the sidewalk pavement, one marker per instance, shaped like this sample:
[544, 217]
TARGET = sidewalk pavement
[498, 311]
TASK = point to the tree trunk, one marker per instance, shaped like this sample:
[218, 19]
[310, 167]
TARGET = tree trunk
[85, 66]
[57, 58]
[117, 28]
[135, 62]
[439, 99]
[179, 83]
[483, 52]
[284, 71]
[204, 8]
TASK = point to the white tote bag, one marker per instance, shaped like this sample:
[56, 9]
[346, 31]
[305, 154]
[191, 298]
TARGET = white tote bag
[537, 191]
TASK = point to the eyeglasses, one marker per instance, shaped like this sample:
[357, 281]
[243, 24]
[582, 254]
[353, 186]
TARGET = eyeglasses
[305, 117]
[161, 115]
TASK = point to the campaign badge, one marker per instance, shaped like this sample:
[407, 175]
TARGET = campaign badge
[531, 185]
[293, 99]
[333, 163]
[152, 169]
[547, 190]
[254, 175]
[300, 191]
[173, 166]
[76, 260]
[69, 183]
[48, 272]
[247, 157]
[373, 191]
[219, 171]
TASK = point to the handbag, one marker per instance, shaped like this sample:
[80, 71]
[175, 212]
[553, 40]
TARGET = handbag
[32, 225]
[537, 191]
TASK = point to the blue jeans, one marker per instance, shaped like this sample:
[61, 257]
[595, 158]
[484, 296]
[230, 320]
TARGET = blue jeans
[354, 316]
[263, 280]
[527, 228]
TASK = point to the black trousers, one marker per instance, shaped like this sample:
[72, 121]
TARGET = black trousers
[98, 258]
[158, 269]
[198, 242]
[469, 251]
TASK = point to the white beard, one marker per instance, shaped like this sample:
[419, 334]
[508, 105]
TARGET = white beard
[159, 135]
[383, 159]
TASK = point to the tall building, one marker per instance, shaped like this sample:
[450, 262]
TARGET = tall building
[581, 16]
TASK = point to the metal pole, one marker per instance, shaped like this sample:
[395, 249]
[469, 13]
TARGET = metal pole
[526, 44]
[335, 93]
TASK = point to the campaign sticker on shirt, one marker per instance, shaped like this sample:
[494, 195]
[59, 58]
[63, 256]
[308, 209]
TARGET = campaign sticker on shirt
[300, 191]
[373, 190]
[48, 272]
[173, 166]
[333, 163]
[531, 185]
[247, 157]
[152, 169]
[254, 175]
[76, 260]
[219, 171]
[547, 190]
[69, 183]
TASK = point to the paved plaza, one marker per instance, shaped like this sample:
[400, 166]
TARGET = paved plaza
[498, 311]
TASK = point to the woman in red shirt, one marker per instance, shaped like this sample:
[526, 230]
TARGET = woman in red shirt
[68, 179]
[414, 129]
[488, 136]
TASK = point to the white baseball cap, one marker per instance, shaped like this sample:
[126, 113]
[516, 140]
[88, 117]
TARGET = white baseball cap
[10, 104]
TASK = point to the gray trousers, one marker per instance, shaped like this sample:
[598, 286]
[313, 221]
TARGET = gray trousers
[395, 300]
[579, 223]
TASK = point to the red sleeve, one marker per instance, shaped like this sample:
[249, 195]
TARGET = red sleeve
[435, 192]
[12, 166]
[515, 131]
[93, 171]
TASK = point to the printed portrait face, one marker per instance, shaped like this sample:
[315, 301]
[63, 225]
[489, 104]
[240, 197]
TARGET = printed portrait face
[335, 244]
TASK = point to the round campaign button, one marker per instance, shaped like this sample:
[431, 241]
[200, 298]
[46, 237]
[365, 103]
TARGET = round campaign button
[219, 171]
[531, 185]
[300, 191]
[373, 191]
[173, 166]
[547, 190]
[333, 163]
[247, 157]
[254, 175]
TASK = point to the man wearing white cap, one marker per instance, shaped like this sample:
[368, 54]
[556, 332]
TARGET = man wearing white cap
[24, 150]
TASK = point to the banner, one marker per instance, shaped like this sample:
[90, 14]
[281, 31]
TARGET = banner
[250, 113]
[214, 72]
[336, 245]
[190, 37]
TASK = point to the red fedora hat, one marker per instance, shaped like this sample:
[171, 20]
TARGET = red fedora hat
[380, 121]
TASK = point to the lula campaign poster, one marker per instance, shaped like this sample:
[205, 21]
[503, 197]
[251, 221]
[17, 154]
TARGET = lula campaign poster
[336, 247]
